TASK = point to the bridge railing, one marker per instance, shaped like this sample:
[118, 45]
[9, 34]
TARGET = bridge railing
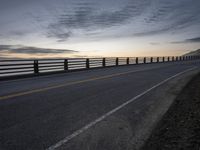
[36, 67]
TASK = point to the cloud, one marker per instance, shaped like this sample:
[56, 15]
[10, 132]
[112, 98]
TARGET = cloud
[20, 49]
[62, 37]
[170, 17]
[89, 17]
[86, 20]
[154, 43]
[192, 40]
[143, 17]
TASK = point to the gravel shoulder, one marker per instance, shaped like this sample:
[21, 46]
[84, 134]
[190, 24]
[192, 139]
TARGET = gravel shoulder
[179, 129]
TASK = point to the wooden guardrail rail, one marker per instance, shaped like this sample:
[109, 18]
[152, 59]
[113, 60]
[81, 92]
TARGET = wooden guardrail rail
[36, 67]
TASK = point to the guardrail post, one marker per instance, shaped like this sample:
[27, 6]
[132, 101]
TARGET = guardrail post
[136, 60]
[87, 63]
[127, 61]
[163, 59]
[36, 67]
[183, 58]
[157, 59]
[168, 59]
[117, 61]
[151, 60]
[180, 58]
[144, 60]
[176, 58]
[104, 62]
[173, 58]
[66, 64]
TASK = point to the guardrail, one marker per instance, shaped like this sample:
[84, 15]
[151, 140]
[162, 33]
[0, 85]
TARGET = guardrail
[37, 67]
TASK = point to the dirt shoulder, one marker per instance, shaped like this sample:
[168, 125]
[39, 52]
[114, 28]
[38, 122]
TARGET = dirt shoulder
[179, 129]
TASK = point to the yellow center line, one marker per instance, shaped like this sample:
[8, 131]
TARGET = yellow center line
[66, 84]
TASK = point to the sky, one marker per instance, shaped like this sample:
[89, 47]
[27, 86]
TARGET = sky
[98, 28]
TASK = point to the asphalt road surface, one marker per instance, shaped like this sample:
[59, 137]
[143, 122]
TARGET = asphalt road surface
[48, 112]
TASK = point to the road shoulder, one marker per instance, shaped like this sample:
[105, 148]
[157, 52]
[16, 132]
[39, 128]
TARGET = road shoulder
[179, 128]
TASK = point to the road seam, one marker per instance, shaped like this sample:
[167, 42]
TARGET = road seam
[91, 124]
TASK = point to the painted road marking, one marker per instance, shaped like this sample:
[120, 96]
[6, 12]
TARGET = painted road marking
[68, 84]
[91, 124]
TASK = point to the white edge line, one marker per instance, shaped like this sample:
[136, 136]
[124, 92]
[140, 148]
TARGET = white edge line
[78, 132]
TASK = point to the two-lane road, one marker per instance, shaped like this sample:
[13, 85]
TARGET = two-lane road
[45, 112]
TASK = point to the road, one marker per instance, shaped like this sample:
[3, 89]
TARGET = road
[50, 112]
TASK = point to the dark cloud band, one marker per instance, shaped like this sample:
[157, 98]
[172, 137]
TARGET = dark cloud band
[20, 49]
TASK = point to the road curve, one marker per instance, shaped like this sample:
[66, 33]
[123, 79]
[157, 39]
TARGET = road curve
[42, 112]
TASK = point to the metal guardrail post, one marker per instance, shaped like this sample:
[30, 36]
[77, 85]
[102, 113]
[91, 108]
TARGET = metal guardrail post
[144, 61]
[104, 62]
[168, 59]
[66, 64]
[87, 63]
[127, 61]
[36, 67]
[117, 61]
[180, 58]
[173, 58]
[151, 60]
[163, 59]
[136, 60]
[157, 59]
[176, 58]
